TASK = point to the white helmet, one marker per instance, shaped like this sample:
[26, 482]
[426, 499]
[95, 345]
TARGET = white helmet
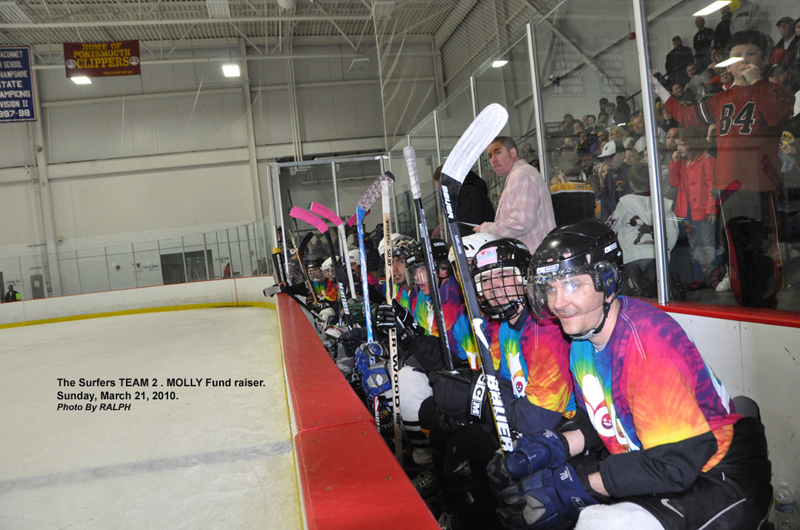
[471, 243]
[355, 256]
[327, 265]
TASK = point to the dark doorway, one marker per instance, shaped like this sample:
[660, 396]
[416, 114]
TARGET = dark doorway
[173, 271]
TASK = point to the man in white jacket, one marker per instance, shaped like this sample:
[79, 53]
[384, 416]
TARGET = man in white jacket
[632, 221]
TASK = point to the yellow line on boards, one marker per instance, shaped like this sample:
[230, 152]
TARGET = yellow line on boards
[267, 305]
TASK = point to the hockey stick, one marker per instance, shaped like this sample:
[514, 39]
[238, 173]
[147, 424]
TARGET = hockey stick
[328, 214]
[298, 253]
[362, 210]
[433, 274]
[319, 224]
[467, 150]
[387, 255]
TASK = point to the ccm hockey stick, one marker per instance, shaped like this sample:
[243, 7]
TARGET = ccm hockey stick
[433, 274]
[319, 224]
[467, 150]
[331, 216]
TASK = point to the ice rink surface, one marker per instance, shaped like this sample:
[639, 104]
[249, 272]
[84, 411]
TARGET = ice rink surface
[217, 457]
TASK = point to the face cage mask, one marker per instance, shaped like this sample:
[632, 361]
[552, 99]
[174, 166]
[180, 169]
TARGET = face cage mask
[488, 281]
[605, 280]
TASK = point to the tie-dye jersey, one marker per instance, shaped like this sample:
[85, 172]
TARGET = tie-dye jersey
[535, 360]
[649, 385]
[406, 298]
[319, 289]
[331, 291]
[423, 314]
[459, 332]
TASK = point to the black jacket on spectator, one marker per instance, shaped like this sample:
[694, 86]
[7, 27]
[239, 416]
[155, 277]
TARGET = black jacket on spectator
[474, 205]
[677, 60]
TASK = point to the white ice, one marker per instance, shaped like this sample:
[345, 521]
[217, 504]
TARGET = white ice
[214, 458]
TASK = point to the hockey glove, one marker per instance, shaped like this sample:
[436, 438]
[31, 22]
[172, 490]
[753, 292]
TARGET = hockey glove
[351, 340]
[461, 395]
[368, 354]
[375, 381]
[535, 452]
[398, 317]
[356, 307]
[550, 499]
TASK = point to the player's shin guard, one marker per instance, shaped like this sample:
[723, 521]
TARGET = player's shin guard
[414, 389]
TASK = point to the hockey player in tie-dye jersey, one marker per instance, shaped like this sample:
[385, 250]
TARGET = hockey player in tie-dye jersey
[666, 448]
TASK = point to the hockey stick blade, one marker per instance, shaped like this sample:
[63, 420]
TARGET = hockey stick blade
[327, 213]
[304, 215]
[475, 139]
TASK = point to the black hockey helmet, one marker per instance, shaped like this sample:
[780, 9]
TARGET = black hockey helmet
[499, 271]
[440, 250]
[587, 247]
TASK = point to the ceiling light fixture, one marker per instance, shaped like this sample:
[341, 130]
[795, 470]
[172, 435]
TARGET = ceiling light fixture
[81, 80]
[711, 8]
[499, 63]
[231, 70]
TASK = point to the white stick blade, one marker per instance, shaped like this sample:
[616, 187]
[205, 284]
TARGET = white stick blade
[411, 163]
[474, 141]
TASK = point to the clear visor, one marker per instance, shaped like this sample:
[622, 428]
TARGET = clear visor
[544, 289]
[315, 274]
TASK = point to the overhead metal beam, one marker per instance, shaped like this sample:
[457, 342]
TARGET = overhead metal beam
[223, 59]
[180, 22]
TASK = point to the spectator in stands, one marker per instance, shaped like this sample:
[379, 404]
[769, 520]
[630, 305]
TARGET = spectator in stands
[12, 295]
[589, 121]
[677, 59]
[621, 134]
[672, 135]
[666, 122]
[589, 142]
[623, 112]
[573, 199]
[781, 76]
[693, 171]
[632, 221]
[632, 156]
[747, 17]
[474, 205]
[641, 139]
[602, 138]
[525, 211]
[695, 86]
[723, 30]
[750, 118]
[702, 43]
[616, 182]
[680, 95]
[785, 50]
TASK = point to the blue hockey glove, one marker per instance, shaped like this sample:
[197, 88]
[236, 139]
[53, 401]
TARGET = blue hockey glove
[496, 474]
[536, 451]
[351, 340]
[375, 381]
[550, 499]
[367, 354]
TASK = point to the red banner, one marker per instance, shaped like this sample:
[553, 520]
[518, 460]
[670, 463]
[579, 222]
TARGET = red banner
[101, 59]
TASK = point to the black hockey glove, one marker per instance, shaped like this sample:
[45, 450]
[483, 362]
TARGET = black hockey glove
[453, 394]
[398, 317]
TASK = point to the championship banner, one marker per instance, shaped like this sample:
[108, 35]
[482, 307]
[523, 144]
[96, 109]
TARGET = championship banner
[16, 85]
[102, 59]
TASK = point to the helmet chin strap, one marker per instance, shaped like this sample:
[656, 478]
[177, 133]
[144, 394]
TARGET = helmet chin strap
[598, 329]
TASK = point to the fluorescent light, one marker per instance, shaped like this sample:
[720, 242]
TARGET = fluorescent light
[499, 63]
[716, 6]
[230, 70]
[729, 62]
[81, 80]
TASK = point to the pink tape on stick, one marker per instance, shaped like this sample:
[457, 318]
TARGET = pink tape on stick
[326, 212]
[352, 220]
[308, 217]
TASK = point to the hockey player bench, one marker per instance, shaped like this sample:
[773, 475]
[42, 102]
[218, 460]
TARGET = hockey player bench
[348, 476]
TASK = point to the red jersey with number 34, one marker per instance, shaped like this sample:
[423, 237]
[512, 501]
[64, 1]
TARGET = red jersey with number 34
[750, 120]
